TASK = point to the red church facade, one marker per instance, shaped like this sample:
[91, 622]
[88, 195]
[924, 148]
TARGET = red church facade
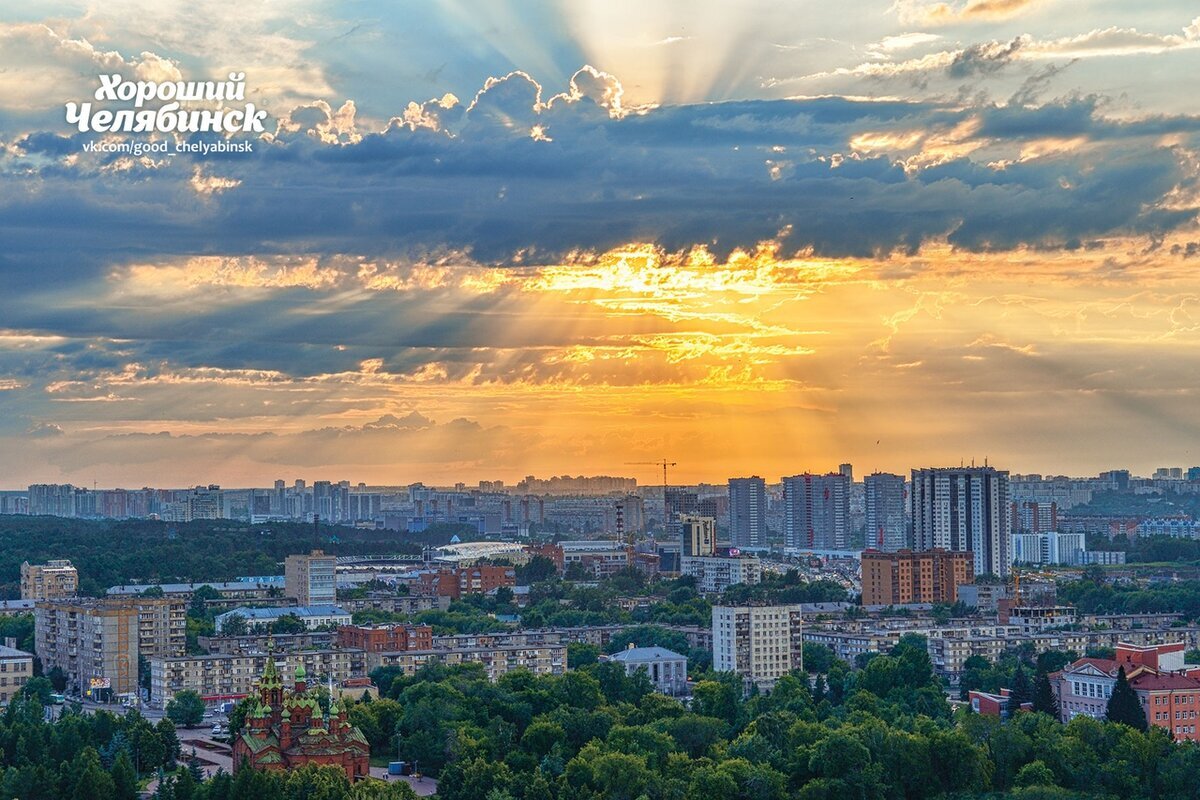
[287, 729]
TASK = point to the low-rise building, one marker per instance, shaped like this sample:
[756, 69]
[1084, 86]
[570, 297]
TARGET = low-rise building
[16, 668]
[666, 669]
[714, 574]
[1084, 686]
[548, 659]
[1031, 619]
[231, 676]
[266, 642]
[455, 583]
[1171, 701]
[312, 616]
[395, 604]
[385, 638]
[230, 592]
[994, 705]
[983, 596]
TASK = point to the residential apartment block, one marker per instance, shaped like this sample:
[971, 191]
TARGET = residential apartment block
[760, 643]
[884, 503]
[454, 583]
[97, 642]
[748, 512]
[49, 581]
[385, 638]
[232, 676]
[311, 579]
[16, 668]
[715, 574]
[964, 509]
[547, 659]
[816, 511]
[905, 577]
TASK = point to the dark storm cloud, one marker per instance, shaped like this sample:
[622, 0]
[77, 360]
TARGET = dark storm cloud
[677, 176]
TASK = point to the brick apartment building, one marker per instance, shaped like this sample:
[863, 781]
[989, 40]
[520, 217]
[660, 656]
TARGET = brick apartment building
[454, 583]
[385, 638]
[904, 577]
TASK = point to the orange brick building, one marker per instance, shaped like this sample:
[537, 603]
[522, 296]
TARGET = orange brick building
[385, 638]
[287, 729]
[551, 551]
[929, 576]
[454, 583]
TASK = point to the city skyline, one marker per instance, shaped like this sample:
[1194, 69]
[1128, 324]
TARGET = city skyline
[543, 236]
[311, 476]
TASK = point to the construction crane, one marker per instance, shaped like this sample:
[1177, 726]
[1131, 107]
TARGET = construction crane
[664, 464]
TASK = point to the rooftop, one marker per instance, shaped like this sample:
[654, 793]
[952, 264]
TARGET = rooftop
[299, 611]
[639, 654]
[182, 588]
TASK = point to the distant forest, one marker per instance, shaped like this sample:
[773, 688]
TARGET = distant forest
[112, 552]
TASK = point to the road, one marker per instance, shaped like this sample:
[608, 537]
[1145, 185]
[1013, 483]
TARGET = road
[424, 787]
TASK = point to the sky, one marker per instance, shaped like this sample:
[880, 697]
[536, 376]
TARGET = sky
[479, 241]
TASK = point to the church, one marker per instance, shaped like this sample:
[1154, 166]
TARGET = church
[285, 729]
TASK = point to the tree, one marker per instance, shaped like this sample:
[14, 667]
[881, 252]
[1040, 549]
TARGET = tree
[1020, 692]
[288, 623]
[41, 688]
[234, 625]
[58, 678]
[186, 708]
[581, 654]
[1035, 773]
[1123, 706]
[538, 569]
[1044, 700]
[124, 778]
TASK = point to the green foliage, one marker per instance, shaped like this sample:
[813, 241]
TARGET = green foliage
[1093, 595]
[20, 628]
[288, 624]
[186, 708]
[581, 655]
[1123, 705]
[1044, 700]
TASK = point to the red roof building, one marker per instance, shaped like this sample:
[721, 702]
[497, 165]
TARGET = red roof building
[1167, 689]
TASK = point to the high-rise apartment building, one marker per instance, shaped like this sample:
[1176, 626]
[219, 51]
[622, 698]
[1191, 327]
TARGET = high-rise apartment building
[699, 536]
[748, 512]
[760, 643]
[964, 509]
[887, 526]
[900, 578]
[1031, 516]
[96, 643]
[817, 511]
[49, 581]
[678, 503]
[54, 499]
[311, 578]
